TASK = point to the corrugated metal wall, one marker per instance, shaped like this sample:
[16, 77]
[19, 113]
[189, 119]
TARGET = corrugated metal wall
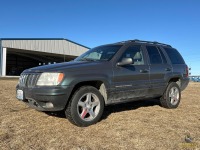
[50, 46]
[1, 51]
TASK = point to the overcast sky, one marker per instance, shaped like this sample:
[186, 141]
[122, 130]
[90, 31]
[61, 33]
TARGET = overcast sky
[92, 22]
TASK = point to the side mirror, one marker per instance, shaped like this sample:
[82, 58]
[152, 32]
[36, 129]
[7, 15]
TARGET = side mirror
[125, 61]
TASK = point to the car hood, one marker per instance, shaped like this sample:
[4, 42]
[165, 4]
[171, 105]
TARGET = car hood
[69, 66]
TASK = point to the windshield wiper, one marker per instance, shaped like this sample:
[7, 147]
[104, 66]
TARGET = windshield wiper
[87, 59]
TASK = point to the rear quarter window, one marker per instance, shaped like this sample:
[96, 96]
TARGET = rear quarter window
[174, 56]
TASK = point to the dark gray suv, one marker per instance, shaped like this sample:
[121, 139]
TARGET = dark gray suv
[109, 74]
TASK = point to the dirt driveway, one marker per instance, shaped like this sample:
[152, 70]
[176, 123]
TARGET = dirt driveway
[140, 125]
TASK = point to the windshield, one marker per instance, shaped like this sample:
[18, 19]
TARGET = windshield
[102, 53]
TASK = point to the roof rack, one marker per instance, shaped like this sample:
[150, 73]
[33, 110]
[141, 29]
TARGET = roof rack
[149, 42]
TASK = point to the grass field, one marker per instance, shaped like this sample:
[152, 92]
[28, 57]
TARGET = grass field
[142, 125]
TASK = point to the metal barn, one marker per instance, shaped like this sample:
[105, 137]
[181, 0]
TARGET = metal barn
[17, 55]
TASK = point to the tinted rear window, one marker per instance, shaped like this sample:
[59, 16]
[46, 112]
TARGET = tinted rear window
[163, 56]
[174, 56]
[154, 55]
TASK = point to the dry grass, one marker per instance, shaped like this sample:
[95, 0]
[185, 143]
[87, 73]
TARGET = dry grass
[139, 125]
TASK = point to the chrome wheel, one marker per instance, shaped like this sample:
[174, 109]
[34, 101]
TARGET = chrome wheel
[88, 107]
[174, 95]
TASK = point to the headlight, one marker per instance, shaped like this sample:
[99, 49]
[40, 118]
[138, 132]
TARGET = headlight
[49, 79]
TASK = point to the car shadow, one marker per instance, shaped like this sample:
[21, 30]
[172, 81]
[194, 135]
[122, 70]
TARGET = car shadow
[115, 108]
[129, 106]
[59, 114]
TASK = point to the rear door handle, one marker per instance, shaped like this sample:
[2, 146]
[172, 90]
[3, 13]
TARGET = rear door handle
[144, 71]
[167, 69]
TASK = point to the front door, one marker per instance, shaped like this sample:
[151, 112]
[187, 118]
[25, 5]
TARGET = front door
[131, 81]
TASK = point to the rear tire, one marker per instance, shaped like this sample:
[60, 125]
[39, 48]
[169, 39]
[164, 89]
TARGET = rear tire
[86, 107]
[172, 96]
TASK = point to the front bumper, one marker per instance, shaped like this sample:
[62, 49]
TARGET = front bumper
[46, 98]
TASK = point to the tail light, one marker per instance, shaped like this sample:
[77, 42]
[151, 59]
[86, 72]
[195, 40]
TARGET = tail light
[187, 71]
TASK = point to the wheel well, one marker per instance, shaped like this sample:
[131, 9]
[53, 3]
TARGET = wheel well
[97, 84]
[177, 80]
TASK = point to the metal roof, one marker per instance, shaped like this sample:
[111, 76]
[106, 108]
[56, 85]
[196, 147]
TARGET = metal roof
[43, 39]
[49, 45]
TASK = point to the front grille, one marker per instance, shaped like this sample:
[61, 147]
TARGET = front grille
[23, 79]
[28, 79]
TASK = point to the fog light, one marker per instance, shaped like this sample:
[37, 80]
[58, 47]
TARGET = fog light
[49, 105]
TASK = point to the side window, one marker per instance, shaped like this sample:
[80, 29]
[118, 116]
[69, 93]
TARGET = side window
[174, 56]
[154, 55]
[94, 55]
[163, 56]
[135, 53]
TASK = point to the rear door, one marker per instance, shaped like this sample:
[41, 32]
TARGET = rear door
[131, 81]
[160, 69]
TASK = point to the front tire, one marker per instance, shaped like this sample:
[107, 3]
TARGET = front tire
[172, 96]
[86, 107]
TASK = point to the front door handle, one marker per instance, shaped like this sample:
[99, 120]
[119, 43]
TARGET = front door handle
[144, 71]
